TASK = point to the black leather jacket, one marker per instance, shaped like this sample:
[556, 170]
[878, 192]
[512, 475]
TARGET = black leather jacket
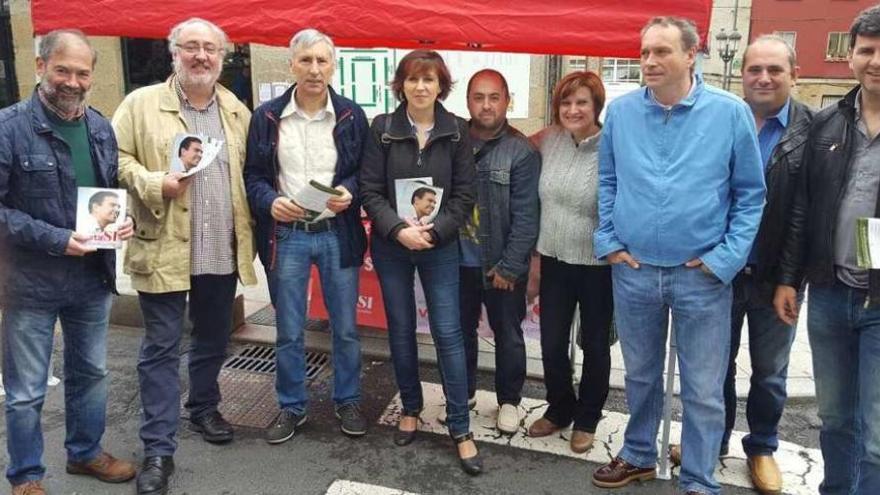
[808, 253]
[781, 178]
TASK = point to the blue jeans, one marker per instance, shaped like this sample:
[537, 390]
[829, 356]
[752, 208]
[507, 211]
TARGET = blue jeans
[770, 341]
[438, 272]
[288, 284]
[700, 307]
[210, 311]
[28, 332]
[845, 340]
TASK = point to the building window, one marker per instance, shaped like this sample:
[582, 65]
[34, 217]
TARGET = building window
[621, 70]
[577, 63]
[790, 37]
[828, 100]
[838, 46]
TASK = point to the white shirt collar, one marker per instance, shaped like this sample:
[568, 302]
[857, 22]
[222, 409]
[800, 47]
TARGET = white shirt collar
[293, 109]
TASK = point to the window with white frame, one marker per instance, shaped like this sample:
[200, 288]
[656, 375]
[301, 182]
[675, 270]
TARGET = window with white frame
[790, 37]
[838, 46]
[621, 70]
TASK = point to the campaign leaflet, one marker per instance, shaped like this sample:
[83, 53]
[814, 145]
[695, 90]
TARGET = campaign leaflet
[100, 212]
[418, 201]
[191, 153]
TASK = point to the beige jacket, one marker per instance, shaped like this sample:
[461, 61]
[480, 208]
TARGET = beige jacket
[158, 256]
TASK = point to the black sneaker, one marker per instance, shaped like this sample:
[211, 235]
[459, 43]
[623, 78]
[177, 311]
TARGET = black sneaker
[213, 427]
[351, 420]
[284, 427]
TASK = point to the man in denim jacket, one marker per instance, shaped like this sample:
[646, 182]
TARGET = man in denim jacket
[51, 144]
[497, 241]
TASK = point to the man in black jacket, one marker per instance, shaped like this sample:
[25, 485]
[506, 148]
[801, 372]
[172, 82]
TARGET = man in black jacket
[310, 134]
[496, 243]
[839, 184]
[769, 71]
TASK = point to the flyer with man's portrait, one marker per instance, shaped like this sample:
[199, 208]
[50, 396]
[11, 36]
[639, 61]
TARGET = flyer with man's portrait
[191, 153]
[418, 201]
[100, 213]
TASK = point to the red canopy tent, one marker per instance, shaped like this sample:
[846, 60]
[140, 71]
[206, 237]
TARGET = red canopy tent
[595, 27]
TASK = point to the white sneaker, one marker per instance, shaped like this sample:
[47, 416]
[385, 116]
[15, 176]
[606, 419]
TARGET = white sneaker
[508, 419]
[441, 418]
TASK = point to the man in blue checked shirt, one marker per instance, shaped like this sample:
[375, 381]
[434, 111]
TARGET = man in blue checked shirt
[681, 191]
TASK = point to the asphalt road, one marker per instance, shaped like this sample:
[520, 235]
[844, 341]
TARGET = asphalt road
[319, 454]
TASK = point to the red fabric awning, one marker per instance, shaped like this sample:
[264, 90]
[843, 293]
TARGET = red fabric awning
[575, 27]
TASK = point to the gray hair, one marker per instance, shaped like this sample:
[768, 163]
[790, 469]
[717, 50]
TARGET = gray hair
[174, 34]
[57, 40]
[690, 38]
[309, 37]
[866, 24]
[774, 38]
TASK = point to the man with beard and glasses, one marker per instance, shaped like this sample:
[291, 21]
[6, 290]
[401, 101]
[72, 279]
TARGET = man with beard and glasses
[193, 239]
[50, 144]
[497, 241]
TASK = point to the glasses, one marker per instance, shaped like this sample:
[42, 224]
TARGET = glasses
[194, 48]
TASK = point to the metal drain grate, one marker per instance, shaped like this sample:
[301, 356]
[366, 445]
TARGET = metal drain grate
[261, 359]
[315, 364]
[247, 384]
[254, 358]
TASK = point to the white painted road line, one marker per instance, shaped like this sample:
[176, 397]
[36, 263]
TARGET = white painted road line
[801, 467]
[346, 487]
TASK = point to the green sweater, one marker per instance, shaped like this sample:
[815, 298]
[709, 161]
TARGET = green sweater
[76, 135]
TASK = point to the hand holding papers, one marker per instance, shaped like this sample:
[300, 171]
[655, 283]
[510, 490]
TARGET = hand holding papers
[868, 243]
[191, 153]
[100, 215]
[313, 199]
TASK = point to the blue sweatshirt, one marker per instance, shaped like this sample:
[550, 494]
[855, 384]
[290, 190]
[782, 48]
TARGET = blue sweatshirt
[680, 183]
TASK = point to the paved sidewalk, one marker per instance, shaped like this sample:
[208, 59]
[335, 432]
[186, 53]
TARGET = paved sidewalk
[800, 373]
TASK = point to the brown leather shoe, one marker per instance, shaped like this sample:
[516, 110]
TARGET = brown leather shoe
[29, 488]
[580, 441]
[620, 473]
[765, 474]
[543, 427]
[105, 467]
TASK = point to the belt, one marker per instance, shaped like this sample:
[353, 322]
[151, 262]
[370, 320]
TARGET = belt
[313, 227]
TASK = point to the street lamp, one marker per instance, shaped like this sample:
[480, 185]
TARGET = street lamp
[728, 44]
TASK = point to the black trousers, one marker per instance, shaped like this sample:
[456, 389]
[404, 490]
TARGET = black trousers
[210, 309]
[563, 287]
[506, 310]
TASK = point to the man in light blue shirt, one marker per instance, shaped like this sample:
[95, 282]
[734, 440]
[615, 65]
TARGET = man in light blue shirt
[681, 191]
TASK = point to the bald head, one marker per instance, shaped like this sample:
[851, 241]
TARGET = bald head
[771, 39]
[769, 73]
[491, 74]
